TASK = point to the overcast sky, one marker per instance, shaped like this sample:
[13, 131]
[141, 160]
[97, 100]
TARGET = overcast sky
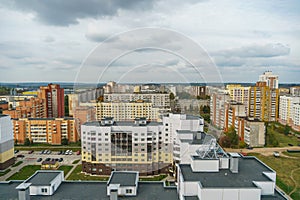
[192, 40]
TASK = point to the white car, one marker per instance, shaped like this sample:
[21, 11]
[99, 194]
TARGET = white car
[276, 153]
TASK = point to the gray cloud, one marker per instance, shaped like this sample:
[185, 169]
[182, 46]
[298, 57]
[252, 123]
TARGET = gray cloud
[67, 12]
[267, 50]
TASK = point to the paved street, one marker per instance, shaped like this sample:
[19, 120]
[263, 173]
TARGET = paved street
[31, 159]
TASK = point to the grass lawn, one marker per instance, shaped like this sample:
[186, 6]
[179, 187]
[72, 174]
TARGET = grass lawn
[65, 168]
[155, 178]
[277, 130]
[77, 175]
[75, 161]
[5, 172]
[25, 172]
[284, 168]
[296, 155]
[17, 164]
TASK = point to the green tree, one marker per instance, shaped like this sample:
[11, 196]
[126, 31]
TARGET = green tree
[232, 136]
[27, 142]
[286, 130]
[66, 105]
[64, 141]
[172, 96]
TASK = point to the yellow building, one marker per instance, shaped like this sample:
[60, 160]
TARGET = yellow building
[6, 142]
[121, 111]
[263, 103]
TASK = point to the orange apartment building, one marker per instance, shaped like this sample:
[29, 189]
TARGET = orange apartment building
[34, 107]
[54, 100]
[45, 130]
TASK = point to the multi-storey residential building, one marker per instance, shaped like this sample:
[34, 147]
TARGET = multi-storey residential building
[139, 145]
[253, 132]
[295, 91]
[54, 96]
[233, 110]
[263, 103]
[270, 79]
[33, 107]
[217, 109]
[239, 94]
[6, 142]
[157, 99]
[198, 91]
[84, 114]
[45, 130]
[288, 111]
[121, 111]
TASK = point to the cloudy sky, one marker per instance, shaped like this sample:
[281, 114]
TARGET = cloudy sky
[184, 41]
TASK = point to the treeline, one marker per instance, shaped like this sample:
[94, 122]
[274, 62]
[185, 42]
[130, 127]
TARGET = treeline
[4, 90]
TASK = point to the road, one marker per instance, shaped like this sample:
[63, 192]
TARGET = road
[31, 159]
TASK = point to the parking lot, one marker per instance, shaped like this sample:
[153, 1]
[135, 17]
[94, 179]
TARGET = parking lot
[36, 157]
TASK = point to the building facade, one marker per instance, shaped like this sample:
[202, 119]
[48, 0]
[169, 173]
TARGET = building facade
[270, 79]
[289, 111]
[139, 145]
[6, 142]
[128, 111]
[45, 130]
[217, 109]
[54, 97]
[161, 100]
[33, 107]
[263, 103]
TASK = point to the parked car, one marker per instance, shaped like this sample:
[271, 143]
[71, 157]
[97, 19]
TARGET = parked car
[60, 159]
[20, 156]
[59, 153]
[48, 152]
[290, 144]
[67, 152]
[30, 152]
[249, 147]
[276, 154]
[39, 160]
[16, 151]
[70, 152]
[47, 159]
[78, 153]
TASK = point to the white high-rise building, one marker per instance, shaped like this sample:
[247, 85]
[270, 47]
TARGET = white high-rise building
[270, 78]
[289, 111]
[6, 142]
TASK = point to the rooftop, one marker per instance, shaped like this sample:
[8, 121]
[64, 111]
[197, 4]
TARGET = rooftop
[250, 169]
[42, 177]
[123, 178]
[78, 190]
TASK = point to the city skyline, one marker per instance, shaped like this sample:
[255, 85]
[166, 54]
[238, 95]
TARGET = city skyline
[243, 39]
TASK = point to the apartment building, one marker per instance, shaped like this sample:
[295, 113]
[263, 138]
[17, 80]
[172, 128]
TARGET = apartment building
[6, 142]
[198, 91]
[45, 130]
[270, 79]
[288, 111]
[33, 107]
[253, 133]
[54, 97]
[217, 108]
[239, 94]
[263, 103]
[84, 114]
[161, 100]
[138, 145]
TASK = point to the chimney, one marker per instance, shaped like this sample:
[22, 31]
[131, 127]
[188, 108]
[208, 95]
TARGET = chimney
[234, 162]
[113, 194]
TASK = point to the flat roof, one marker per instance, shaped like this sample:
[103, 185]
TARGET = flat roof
[78, 190]
[42, 177]
[123, 178]
[250, 169]
[1, 115]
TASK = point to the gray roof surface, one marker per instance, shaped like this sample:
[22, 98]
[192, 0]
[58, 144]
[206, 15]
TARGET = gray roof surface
[93, 190]
[250, 169]
[191, 198]
[123, 178]
[42, 178]
[2, 115]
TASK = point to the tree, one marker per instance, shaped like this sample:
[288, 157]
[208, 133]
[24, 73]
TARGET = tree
[66, 105]
[286, 130]
[172, 96]
[16, 141]
[64, 141]
[27, 142]
[224, 141]
[232, 137]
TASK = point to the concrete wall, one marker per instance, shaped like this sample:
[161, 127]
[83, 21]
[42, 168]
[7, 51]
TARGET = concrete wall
[205, 165]
[229, 194]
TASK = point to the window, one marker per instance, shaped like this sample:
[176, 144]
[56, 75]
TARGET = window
[44, 190]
